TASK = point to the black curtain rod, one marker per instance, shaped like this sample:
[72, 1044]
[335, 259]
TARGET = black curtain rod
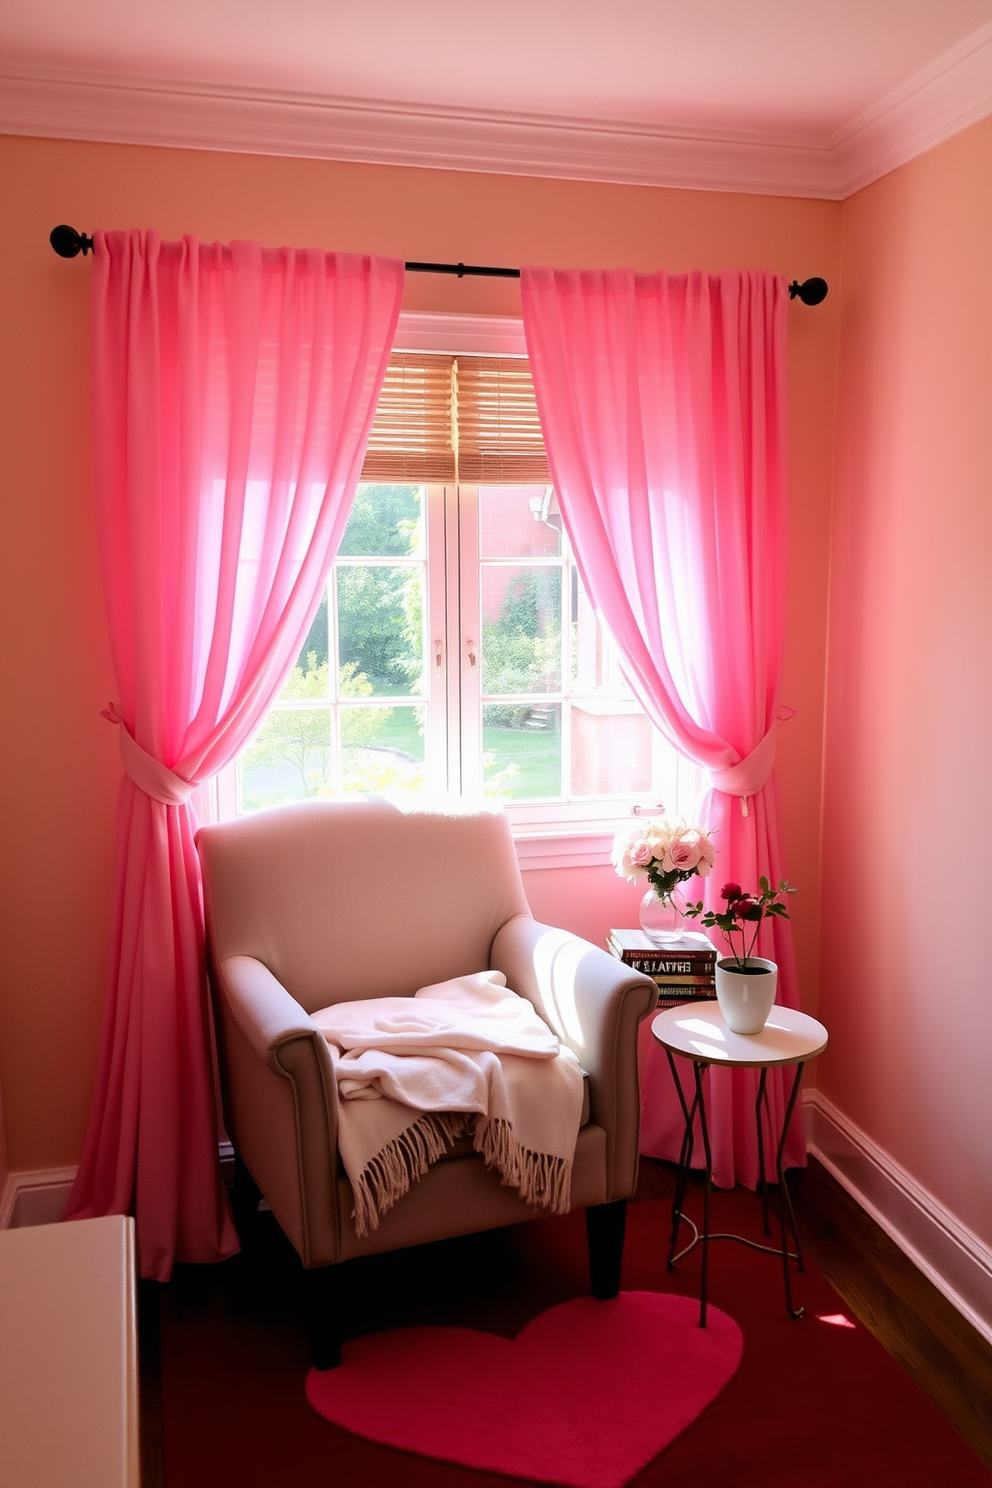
[67, 242]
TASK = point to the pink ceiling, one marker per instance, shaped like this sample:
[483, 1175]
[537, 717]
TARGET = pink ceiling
[801, 68]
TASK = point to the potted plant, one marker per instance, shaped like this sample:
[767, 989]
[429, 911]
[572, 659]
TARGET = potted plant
[745, 983]
[666, 854]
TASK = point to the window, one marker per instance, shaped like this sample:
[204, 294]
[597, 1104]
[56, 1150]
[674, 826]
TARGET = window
[455, 650]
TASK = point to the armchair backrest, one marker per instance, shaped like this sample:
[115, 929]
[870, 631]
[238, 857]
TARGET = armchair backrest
[352, 899]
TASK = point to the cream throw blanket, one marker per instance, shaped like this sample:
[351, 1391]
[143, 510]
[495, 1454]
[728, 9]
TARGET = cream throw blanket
[467, 1056]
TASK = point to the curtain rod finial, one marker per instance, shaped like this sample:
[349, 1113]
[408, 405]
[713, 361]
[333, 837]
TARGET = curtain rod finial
[811, 291]
[67, 242]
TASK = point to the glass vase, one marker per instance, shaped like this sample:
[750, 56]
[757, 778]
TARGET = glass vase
[662, 917]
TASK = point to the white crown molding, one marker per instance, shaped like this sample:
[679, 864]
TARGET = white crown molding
[934, 104]
[957, 1262]
[88, 106]
[937, 102]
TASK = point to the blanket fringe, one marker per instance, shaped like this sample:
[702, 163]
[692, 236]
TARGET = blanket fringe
[540, 1178]
[401, 1162]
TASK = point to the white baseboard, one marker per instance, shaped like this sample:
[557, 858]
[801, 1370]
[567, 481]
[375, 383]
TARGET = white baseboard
[40, 1196]
[35, 1197]
[946, 1251]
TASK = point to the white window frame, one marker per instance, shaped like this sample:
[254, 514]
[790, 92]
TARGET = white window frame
[547, 834]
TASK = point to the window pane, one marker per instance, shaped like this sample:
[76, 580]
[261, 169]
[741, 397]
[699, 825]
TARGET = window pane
[380, 629]
[595, 659]
[382, 748]
[290, 757]
[519, 522]
[522, 752]
[310, 676]
[521, 629]
[385, 522]
[369, 708]
[612, 747]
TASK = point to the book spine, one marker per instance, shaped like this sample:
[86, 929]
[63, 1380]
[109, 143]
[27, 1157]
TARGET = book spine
[683, 968]
[683, 981]
[670, 1002]
[702, 988]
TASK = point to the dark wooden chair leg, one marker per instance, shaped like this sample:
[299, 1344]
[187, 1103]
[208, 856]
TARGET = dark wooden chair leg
[605, 1227]
[245, 1195]
[322, 1302]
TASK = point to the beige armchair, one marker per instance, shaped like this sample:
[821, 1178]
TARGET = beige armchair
[335, 901]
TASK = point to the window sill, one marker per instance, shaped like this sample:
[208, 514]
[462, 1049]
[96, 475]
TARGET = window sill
[563, 848]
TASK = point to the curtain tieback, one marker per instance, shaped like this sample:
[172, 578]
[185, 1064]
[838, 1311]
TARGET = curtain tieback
[749, 775]
[148, 773]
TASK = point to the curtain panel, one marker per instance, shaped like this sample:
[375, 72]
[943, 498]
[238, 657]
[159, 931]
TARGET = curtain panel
[233, 392]
[663, 404]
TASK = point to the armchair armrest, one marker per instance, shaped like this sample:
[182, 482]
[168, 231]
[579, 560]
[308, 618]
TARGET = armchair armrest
[594, 1004]
[283, 1102]
[267, 1014]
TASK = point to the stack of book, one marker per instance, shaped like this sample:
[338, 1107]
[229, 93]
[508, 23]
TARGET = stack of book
[684, 971]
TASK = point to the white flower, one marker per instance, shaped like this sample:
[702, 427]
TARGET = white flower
[682, 854]
[632, 853]
[673, 847]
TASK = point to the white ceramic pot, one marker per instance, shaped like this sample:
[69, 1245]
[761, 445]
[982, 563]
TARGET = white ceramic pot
[746, 997]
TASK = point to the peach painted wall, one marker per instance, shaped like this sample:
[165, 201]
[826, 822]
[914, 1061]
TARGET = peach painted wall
[905, 982]
[60, 765]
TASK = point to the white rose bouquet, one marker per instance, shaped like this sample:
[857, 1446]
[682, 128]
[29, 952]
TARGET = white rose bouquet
[665, 853]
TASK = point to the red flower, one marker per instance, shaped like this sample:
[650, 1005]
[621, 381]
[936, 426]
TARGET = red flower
[731, 891]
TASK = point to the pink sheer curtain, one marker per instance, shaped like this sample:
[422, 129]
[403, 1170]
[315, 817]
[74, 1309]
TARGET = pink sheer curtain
[663, 404]
[233, 392]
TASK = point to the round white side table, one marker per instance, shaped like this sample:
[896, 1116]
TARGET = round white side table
[698, 1033]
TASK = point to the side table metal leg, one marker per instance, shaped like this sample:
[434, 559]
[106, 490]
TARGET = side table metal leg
[788, 1215]
[685, 1162]
[698, 1071]
[762, 1100]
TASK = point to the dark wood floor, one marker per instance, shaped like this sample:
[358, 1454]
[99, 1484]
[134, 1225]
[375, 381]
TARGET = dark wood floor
[946, 1357]
[922, 1330]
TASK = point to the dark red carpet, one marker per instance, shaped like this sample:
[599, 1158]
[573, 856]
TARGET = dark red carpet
[816, 1403]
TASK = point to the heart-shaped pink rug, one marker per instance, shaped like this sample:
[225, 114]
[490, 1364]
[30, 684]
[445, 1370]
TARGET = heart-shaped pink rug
[586, 1395]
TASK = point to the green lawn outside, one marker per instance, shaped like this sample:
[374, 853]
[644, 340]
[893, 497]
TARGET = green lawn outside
[536, 753]
[399, 731]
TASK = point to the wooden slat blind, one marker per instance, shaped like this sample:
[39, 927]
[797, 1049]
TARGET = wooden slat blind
[499, 435]
[467, 418]
[411, 438]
